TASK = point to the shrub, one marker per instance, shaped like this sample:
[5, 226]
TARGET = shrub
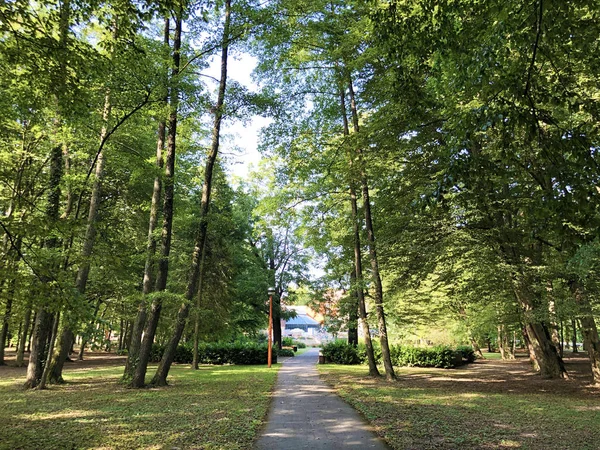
[340, 352]
[290, 342]
[240, 353]
[285, 352]
[440, 356]
[156, 352]
[122, 352]
[467, 353]
[362, 352]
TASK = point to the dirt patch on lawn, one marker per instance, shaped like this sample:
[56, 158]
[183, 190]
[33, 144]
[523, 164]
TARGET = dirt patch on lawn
[511, 376]
[91, 360]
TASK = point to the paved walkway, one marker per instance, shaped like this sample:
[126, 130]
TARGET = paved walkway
[307, 414]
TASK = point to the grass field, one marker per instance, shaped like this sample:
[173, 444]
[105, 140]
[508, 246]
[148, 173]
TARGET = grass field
[488, 405]
[212, 408]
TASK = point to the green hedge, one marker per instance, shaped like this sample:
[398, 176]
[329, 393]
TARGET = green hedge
[440, 356]
[286, 352]
[239, 353]
[340, 352]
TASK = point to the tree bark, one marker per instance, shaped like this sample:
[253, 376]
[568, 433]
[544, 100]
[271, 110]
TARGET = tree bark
[140, 351]
[24, 336]
[588, 329]
[353, 312]
[38, 348]
[42, 384]
[541, 348]
[553, 322]
[42, 321]
[5, 321]
[476, 348]
[378, 292]
[574, 335]
[358, 271]
[67, 336]
[160, 377]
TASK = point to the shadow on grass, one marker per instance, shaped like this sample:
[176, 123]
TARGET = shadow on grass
[92, 410]
[491, 404]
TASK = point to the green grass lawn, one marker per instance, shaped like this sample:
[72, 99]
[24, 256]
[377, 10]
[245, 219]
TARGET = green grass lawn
[212, 408]
[433, 408]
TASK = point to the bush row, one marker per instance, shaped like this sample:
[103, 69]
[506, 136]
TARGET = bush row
[291, 342]
[240, 353]
[340, 352]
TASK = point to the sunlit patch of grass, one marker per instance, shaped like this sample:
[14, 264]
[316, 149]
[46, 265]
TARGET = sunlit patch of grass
[211, 408]
[442, 415]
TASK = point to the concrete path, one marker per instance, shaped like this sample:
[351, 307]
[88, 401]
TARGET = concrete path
[307, 414]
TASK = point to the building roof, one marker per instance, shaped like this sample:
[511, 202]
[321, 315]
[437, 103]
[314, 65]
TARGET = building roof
[302, 319]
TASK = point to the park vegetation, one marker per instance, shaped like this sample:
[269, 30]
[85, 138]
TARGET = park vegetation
[438, 161]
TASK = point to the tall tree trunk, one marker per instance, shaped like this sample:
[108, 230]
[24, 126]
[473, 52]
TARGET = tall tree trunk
[67, 336]
[532, 359]
[476, 348]
[503, 343]
[574, 335]
[42, 321]
[541, 347]
[137, 362]
[500, 342]
[6, 320]
[44, 377]
[378, 292]
[277, 337]
[196, 344]
[14, 255]
[35, 367]
[160, 377]
[588, 329]
[24, 334]
[358, 271]
[353, 312]
[553, 321]
[89, 330]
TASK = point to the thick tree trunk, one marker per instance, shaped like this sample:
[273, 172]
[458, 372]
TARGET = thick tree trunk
[358, 271]
[540, 345]
[139, 357]
[532, 359]
[45, 373]
[60, 356]
[160, 377]
[37, 356]
[378, 292]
